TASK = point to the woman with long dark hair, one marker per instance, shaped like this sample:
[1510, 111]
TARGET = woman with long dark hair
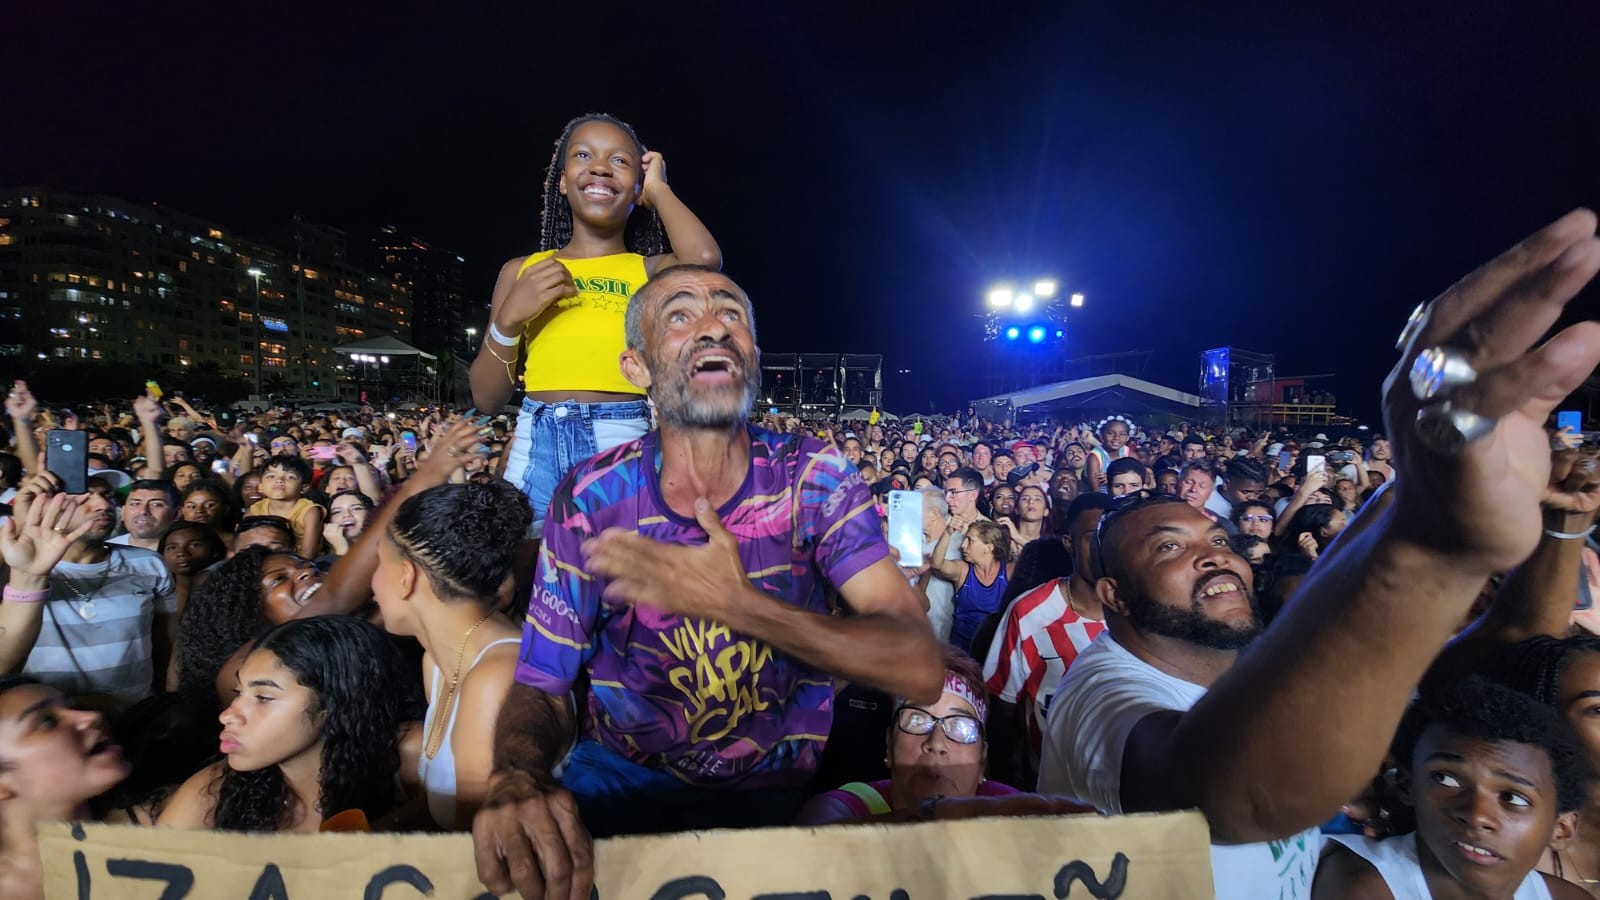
[441, 569]
[311, 733]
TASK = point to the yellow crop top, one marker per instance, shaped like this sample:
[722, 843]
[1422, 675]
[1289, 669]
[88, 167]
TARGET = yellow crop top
[574, 345]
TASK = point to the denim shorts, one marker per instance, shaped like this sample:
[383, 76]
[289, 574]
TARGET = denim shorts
[617, 796]
[551, 438]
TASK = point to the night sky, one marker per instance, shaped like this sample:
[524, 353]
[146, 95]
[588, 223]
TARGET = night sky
[1284, 181]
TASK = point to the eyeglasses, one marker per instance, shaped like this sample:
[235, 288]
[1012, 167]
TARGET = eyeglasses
[1262, 518]
[953, 492]
[958, 727]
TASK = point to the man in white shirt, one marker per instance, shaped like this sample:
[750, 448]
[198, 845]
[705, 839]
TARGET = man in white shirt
[152, 505]
[91, 619]
[1163, 712]
[1179, 606]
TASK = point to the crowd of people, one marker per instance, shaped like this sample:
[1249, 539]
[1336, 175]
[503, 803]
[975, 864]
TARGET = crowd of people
[633, 606]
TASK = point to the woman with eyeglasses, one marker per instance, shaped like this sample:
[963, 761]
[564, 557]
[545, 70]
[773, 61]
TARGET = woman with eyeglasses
[1255, 518]
[937, 756]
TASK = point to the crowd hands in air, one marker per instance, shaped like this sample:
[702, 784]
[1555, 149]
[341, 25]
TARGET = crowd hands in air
[1369, 661]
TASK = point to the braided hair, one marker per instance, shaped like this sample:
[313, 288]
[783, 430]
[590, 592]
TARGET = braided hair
[463, 536]
[1534, 666]
[643, 234]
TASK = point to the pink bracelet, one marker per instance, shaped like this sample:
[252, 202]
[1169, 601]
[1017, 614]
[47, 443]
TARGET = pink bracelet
[12, 595]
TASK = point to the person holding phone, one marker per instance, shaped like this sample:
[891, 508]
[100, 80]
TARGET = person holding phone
[87, 617]
[606, 205]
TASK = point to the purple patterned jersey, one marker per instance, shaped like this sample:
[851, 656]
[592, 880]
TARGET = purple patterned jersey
[688, 695]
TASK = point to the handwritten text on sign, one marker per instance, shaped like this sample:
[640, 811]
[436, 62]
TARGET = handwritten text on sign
[1162, 857]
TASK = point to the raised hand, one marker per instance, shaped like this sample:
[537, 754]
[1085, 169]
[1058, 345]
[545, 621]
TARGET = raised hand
[33, 547]
[147, 409]
[445, 453]
[1478, 500]
[20, 402]
[655, 178]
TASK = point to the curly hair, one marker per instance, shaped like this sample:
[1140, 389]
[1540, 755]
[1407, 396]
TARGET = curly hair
[464, 536]
[340, 660]
[643, 234]
[222, 616]
[1480, 708]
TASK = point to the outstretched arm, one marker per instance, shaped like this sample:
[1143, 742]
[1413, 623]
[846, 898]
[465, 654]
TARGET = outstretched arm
[149, 413]
[1305, 716]
[348, 585]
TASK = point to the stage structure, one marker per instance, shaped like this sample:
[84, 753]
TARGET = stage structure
[1241, 387]
[820, 384]
[384, 370]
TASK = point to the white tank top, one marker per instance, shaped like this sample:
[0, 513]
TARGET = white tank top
[1396, 861]
[438, 775]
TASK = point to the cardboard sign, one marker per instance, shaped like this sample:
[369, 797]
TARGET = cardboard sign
[1149, 857]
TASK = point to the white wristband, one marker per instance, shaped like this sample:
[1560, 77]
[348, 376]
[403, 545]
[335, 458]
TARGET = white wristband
[498, 338]
[1569, 535]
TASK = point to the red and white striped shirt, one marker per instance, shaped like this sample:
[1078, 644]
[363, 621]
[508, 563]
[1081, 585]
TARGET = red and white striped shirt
[1038, 639]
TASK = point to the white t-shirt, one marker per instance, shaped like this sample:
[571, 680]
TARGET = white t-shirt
[1107, 692]
[941, 594]
[1395, 860]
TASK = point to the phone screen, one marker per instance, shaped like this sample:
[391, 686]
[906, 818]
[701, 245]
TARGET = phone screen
[1570, 418]
[905, 526]
[410, 440]
[1315, 464]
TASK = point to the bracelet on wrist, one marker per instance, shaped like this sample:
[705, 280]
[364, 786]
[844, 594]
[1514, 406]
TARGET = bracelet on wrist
[500, 337]
[17, 595]
[1569, 535]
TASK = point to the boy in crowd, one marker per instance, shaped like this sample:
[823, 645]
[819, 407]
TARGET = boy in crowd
[1495, 778]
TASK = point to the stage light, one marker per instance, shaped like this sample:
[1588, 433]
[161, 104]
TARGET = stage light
[1000, 297]
[1077, 299]
[1013, 333]
[1045, 289]
[1060, 334]
[1024, 302]
[1036, 334]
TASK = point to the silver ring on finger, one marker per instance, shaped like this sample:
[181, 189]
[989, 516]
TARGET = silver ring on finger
[1439, 370]
[1447, 429]
[1412, 326]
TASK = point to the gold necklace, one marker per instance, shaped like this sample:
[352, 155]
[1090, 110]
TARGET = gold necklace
[436, 733]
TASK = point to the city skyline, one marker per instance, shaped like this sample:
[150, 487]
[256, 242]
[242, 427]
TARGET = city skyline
[1284, 180]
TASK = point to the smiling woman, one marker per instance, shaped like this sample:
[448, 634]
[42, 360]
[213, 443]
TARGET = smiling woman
[243, 598]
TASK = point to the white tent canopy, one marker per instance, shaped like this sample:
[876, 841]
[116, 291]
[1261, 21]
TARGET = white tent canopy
[1114, 393]
[383, 346]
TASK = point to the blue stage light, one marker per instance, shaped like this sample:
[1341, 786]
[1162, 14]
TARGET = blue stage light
[1036, 334]
[1013, 333]
[1060, 334]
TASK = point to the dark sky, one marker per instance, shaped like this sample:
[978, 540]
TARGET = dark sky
[1288, 181]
